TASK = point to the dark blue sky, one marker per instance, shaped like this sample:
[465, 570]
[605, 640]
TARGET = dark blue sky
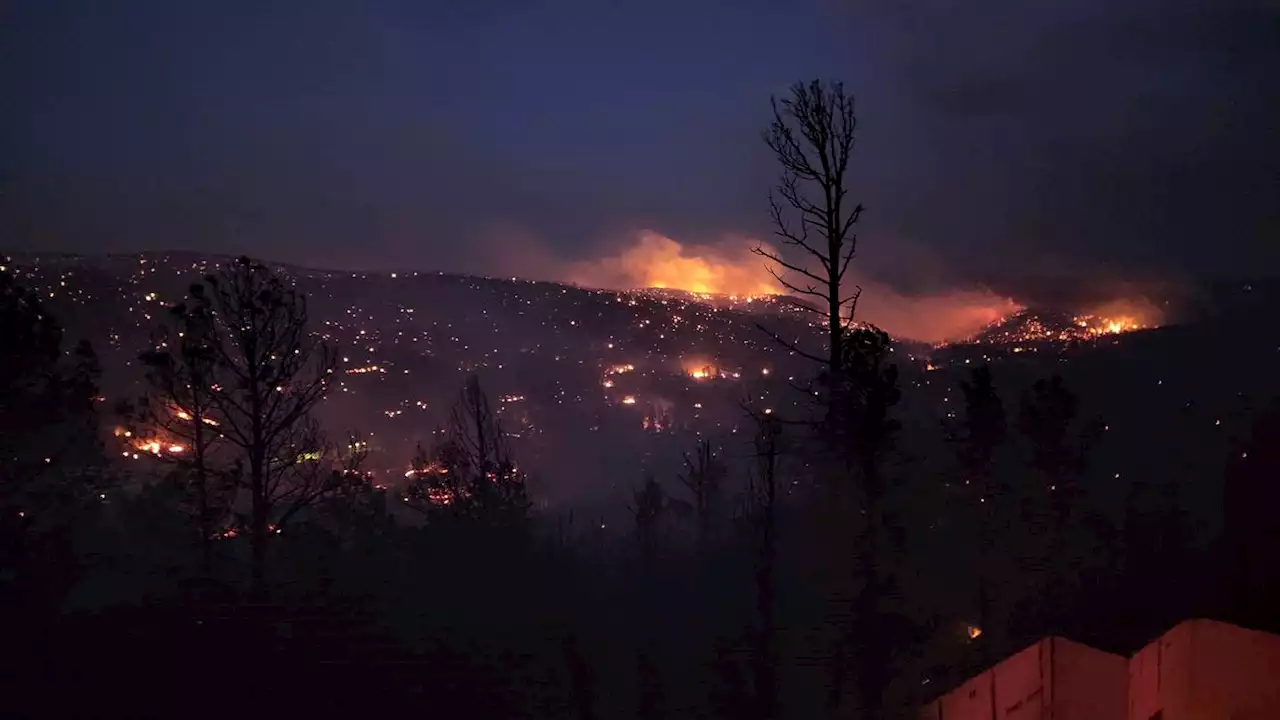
[998, 140]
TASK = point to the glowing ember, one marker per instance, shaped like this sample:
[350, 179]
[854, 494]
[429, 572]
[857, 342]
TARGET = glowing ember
[701, 368]
[364, 370]
[155, 447]
[629, 400]
[184, 415]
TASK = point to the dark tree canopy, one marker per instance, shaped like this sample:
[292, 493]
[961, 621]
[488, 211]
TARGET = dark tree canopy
[180, 405]
[267, 374]
[52, 468]
[50, 453]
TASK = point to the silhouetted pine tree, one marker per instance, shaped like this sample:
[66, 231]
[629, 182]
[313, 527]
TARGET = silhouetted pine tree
[1054, 503]
[979, 438]
[647, 510]
[269, 375]
[863, 433]
[761, 515]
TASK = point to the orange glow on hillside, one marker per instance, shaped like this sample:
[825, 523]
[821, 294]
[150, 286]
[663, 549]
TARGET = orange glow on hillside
[730, 268]
[657, 261]
[699, 368]
[704, 368]
[1120, 316]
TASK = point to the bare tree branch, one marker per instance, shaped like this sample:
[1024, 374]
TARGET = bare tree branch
[789, 346]
[794, 268]
[269, 374]
[812, 138]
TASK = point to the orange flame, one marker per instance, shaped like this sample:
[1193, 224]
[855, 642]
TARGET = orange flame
[657, 261]
[1119, 316]
[700, 368]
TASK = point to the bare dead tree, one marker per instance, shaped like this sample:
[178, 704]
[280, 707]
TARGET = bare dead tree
[269, 375]
[812, 137]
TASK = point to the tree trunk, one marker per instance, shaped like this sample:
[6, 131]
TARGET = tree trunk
[833, 316]
[579, 680]
[766, 663]
[205, 521]
[872, 639]
[258, 530]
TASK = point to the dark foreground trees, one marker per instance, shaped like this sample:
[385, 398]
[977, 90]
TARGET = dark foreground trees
[49, 449]
[51, 462]
[179, 408]
[866, 432]
[979, 440]
[812, 138]
[763, 506]
[259, 373]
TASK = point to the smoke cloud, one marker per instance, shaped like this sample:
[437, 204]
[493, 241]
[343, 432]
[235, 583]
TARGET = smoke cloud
[950, 315]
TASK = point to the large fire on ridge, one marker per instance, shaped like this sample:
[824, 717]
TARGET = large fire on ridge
[1095, 322]
[730, 268]
[657, 261]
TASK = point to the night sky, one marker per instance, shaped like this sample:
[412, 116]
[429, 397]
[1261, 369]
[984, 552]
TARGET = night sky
[1135, 138]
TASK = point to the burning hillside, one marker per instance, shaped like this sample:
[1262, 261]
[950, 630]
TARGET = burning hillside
[729, 275]
[1033, 326]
